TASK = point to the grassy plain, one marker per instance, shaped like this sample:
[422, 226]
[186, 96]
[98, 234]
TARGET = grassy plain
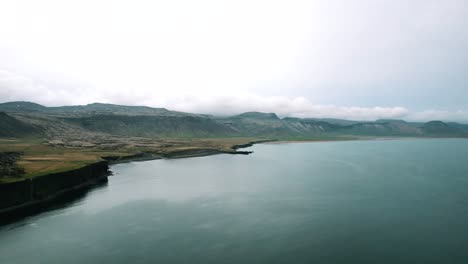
[40, 156]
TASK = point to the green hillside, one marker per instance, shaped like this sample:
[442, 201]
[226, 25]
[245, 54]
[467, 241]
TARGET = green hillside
[152, 126]
[12, 127]
[86, 121]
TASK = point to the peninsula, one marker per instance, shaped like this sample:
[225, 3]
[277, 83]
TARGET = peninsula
[47, 151]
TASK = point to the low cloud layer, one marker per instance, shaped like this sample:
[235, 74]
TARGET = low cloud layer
[283, 106]
[354, 59]
[15, 87]
[303, 108]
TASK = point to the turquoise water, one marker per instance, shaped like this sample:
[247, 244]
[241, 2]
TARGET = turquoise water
[401, 201]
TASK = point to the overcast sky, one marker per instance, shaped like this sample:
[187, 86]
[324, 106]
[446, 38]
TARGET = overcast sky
[355, 59]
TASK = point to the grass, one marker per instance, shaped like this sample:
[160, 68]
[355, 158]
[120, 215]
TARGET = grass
[40, 158]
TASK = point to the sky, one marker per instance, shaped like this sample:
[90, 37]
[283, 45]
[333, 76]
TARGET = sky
[352, 59]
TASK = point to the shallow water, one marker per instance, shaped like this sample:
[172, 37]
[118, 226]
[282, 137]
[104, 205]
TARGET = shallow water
[399, 201]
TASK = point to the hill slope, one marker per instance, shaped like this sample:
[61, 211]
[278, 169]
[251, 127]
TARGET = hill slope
[152, 126]
[12, 127]
[440, 128]
[21, 106]
[25, 118]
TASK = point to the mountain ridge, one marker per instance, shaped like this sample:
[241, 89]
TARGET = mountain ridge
[144, 121]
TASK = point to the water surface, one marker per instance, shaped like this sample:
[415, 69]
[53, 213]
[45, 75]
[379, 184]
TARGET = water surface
[401, 201]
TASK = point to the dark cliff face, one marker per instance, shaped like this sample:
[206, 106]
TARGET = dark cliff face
[48, 187]
[15, 193]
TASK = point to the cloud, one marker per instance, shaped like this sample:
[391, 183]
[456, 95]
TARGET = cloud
[16, 87]
[13, 86]
[428, 115]
[298, 107]
[299, 58]
[281, 105]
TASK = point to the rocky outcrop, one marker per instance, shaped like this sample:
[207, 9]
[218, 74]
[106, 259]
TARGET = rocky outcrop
[186, 153]
[8, 166]
[136, 157]
[250, 144]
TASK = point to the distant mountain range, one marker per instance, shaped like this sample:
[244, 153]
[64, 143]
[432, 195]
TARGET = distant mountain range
[27, 119]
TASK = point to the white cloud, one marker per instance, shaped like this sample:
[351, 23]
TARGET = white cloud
[281, 105]
[16, 87]
[428, 115]
[297, 58]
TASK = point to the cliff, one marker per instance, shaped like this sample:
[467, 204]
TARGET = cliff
[21, 196]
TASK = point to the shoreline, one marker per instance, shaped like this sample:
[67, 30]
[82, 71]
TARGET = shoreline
[42, 204]
[31, 208]
[31, 196]
[34, 205]
[360, 139]
[190, 153]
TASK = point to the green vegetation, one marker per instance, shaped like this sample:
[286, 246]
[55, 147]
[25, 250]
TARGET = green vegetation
[41, 157]
[57, 139]
[12, 127]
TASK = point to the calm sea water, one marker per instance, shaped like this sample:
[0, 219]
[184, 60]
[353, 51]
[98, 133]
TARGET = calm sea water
[402, 201]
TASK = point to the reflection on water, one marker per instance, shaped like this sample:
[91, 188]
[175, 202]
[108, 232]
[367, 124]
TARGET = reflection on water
[333, 202]
[66, 200]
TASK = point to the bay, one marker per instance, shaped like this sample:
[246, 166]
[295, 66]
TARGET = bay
[382, 201]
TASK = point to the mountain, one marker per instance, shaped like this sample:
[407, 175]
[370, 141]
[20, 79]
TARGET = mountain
[334, 121]
[21, 106]
[89, 109]
[269, 125]
[463, 127]
[12, 127]
[98, 108]
[255, 124]
[84, 121]
[258, 115]
[440, 128]
[391, 121]
[152, 126]
[380, 129]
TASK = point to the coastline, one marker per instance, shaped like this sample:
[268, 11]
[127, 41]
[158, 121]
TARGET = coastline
[37, 206]
[37, 203]
[360, 139]
[24, 198]
[33, 201]
[190, 153]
